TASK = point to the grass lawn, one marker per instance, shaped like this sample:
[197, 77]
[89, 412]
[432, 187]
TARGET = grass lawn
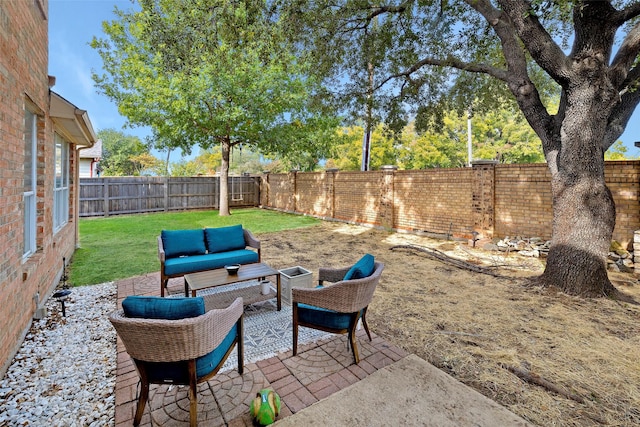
[125, 246]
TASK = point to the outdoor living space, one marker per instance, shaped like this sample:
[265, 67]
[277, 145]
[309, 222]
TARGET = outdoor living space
[454, 328]
[481, 327]
[387, 386]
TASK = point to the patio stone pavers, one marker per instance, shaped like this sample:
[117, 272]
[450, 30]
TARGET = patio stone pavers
[319, 370]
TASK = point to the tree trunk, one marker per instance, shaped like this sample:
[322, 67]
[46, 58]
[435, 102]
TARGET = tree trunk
[583, 208]
[224, 178]
[583, 222]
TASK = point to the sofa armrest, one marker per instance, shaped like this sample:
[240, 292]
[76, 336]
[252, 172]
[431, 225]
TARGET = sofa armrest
[252, 242]
[161, 255]
[250, 239]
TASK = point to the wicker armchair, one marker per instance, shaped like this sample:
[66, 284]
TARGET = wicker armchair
[335, 308]
[170, 351]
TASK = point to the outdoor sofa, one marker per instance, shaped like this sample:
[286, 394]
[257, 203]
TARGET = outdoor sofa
[189, 251]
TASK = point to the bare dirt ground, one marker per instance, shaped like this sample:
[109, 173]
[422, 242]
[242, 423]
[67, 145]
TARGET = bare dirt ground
[476, 326]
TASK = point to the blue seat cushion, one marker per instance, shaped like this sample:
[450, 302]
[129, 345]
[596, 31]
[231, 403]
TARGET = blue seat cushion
[178, 243]
[223, 239]
[323, 317]
[147, 307]
[176, 266]
[361, 269]
[178, 371]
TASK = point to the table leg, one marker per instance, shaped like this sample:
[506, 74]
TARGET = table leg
[278, 291]
[186, 288]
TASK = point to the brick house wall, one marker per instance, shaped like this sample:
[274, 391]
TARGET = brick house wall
[25, 283]
[492, 199]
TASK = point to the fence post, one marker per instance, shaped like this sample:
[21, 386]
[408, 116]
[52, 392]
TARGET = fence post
[105, 194]
[483, 203]
[165, 188]
[294, 200]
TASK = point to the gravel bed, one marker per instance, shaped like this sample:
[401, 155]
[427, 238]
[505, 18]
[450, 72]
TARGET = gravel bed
[64, 373]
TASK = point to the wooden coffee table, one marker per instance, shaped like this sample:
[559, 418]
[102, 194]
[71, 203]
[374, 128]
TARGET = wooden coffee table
[195, 282]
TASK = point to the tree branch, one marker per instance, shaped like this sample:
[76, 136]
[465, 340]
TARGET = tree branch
[449, 62]
[628, 13]
[625, 57]
[538, 42]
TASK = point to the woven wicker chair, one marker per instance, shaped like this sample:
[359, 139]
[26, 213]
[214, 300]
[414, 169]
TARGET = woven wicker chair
[335, 308]
[165, 351]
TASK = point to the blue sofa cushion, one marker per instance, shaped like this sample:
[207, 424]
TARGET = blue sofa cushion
[175, 266]
[178, 243]
[224, 239]
[147, 307]
[323, 317]
[177, 372]
[361, 269]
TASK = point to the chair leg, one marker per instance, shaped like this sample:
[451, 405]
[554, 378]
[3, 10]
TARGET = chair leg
[240, 348]
[164, 281]
[364, 323]
[144, 394]
[354, 346]
[295, 328]
[352, 337]
[193, 398]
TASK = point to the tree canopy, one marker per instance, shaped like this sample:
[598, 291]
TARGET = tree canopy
[122, 154]
[212, 72]
[430, 56]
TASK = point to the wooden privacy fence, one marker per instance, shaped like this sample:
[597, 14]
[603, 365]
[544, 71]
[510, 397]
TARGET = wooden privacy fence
[141, 194]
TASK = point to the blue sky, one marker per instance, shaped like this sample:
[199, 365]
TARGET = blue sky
[72, 25]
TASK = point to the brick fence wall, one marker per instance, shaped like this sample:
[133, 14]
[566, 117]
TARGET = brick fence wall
[492, 199]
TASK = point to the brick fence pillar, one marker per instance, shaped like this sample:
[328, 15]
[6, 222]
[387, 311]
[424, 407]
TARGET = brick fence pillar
[330, 192]
[387, 196]
[483, 203]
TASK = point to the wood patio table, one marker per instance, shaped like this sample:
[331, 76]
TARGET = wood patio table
[195, 282]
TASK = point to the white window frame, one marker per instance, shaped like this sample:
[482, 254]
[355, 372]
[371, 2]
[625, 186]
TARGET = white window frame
[29, 194]
[60, 183]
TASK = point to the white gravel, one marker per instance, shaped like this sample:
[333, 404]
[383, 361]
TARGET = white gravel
[64, 373]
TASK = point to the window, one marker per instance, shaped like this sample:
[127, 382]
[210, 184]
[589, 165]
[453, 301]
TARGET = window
[61, 184]
[29, 192]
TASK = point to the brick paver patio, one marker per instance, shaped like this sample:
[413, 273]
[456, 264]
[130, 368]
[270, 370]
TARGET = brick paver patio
[319, 370]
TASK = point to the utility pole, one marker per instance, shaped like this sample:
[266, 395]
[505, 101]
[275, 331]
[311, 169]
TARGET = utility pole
[469, 154]
[366, 141]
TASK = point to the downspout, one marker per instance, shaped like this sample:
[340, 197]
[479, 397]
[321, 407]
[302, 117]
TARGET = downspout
[76, 197]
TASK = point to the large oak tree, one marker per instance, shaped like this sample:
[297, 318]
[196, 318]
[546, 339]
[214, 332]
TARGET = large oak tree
[434, 54]
[207, 72]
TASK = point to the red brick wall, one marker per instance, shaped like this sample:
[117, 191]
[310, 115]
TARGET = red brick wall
[496, 200]
[24, 81]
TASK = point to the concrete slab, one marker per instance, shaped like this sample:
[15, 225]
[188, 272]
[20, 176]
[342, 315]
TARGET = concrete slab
[410, 392]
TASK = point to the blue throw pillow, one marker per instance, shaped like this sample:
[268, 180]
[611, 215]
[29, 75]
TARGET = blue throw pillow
[363, 268]
[183, 242]
[146, 307]
[224, 239]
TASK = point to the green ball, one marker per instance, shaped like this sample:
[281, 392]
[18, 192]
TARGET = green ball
[265, 407]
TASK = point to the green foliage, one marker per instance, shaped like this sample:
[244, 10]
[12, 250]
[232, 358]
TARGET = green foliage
[618, 151]
[121, 153]
[126, 246]
[207, 72]
[348, 149]
[501, 135]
